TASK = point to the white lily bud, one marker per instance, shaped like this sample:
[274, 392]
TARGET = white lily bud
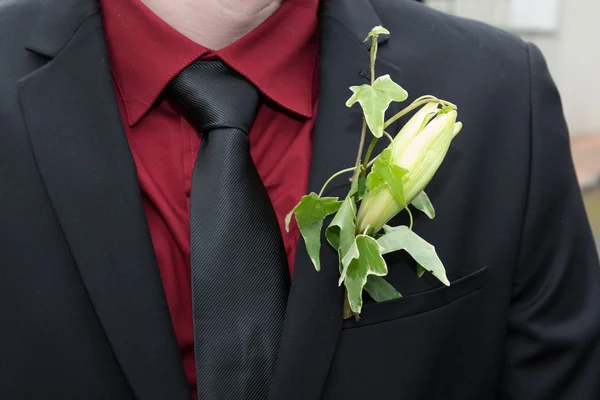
[412, 128]
[419, 148]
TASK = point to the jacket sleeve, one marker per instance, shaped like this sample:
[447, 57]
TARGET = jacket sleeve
[553, 338]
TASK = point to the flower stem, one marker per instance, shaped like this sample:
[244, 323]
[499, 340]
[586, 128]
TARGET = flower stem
[417, 103]
[373, 57]
[368, 162]
[387, 135]
[332, 177]
[409, 216]
[372, 161]
[361, 144]
[363, 131]
[374, 46]
[368, 155]
[347, 310]
[406, 111]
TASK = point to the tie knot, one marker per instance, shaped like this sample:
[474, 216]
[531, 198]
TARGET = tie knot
[214, 96]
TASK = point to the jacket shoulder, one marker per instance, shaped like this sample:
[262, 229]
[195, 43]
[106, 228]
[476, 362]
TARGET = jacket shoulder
[17, 17]
[17, 13]
[457, 38]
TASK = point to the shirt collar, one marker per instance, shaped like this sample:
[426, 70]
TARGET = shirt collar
[278, 56]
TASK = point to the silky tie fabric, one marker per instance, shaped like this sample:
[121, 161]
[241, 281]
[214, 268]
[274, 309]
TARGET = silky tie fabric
[240, 276]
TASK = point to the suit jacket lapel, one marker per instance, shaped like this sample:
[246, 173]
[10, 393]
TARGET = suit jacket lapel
[314, 314]
[83, 155]
[79, 143]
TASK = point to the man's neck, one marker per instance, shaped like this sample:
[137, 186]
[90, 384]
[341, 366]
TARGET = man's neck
[213, 23]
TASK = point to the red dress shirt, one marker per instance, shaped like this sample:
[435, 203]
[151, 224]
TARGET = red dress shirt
[279, 57]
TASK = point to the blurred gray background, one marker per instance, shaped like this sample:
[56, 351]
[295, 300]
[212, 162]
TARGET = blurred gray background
[567, 31]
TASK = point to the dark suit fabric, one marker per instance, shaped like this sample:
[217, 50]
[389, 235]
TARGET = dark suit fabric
[82, 309]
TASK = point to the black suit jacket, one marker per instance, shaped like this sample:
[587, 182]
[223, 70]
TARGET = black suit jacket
[82, 309]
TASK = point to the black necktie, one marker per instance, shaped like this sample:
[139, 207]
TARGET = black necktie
[240, 277]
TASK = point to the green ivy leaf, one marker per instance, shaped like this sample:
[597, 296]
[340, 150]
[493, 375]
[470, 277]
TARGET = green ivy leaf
[384, 172]
[375, 100]
[380, 289]
[361, 189]
[378, 30]
[422, 203]
[340, 233]
[420, 271]
[362, 259]
[374, 105]
[354, 187]
[358, 187]
[310, 213]
[386, 85]
[402, 238]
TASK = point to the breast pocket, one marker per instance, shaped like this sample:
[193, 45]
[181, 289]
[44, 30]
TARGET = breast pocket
[421, 302]
[416, 347]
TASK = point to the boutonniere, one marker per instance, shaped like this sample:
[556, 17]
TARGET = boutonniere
[383, 186]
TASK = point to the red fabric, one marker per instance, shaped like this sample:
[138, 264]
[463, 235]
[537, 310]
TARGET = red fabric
[279, 57]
